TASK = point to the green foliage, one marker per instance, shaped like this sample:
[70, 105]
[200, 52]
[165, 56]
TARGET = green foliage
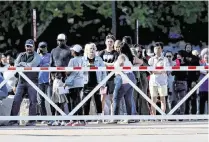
[166, 15]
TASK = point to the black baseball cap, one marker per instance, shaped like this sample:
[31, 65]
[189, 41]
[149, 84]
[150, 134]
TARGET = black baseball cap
[42, 44]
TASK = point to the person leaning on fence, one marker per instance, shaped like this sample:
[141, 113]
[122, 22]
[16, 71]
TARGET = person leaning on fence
[60, 57]
[135, 61]
[26, 59]
[203, 89]
[75, 81]
[122, 88]
[92, 79]
[158, 79]
[43, 77]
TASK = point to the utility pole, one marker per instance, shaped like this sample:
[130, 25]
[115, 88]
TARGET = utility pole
[114, 21]
[34, 25]
[137, 31]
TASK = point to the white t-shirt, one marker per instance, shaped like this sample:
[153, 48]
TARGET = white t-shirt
[158, 79]
[127, 63]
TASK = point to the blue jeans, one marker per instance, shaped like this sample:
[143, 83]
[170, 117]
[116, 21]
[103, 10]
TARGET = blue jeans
[126, 91]
[22, 89]
[41, 100]
[118, 84]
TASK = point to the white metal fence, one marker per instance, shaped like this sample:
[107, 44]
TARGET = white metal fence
[106, 117]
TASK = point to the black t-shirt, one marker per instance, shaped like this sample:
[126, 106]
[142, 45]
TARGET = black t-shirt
[92, 74]
[193, 75]
[109, 57]
[181, 75]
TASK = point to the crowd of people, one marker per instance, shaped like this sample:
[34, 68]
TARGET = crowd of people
[165, 88]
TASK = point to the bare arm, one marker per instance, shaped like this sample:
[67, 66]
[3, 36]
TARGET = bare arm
[137, 61]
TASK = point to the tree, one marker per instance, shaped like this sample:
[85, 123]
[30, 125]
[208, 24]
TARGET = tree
[168, 16]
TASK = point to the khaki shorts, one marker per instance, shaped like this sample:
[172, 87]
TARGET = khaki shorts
[161, 90]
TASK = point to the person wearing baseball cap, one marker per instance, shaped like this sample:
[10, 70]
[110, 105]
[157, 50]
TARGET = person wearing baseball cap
[60, 57]
[61, 40]
[43, 78]
[42, 48]
[26, 59]
[75, 81]
[29, 46]
[76, 48]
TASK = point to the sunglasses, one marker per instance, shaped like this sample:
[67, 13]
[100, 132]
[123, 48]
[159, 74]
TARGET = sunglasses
[29, 46]
[43, 46]
[168, 56]
[60, 40]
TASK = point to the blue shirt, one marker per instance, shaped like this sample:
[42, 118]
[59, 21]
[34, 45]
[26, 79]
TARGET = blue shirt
[43, 77]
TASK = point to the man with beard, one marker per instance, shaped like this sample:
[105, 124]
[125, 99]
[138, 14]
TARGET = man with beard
[60, 57]
[193, 77]
[26, 59]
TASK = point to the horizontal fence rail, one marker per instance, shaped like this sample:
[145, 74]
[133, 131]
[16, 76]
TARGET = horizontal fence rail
[125, 68]
[108, 117]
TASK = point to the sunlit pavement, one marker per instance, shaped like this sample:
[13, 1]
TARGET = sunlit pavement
[144, 131]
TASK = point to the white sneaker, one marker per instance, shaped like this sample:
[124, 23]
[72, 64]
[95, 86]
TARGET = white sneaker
[63, 123]
[123, 122]
[44, 122]
[55, 123]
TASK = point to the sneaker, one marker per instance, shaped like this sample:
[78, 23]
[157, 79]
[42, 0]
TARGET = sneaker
[50, 123]
[79, 123]
[44, 122]
[70, 123]
[55, 123]
[99, 121]
[13, 123]
[30, 123]
[63, 123]
[132, 121]
[123, 122]
[112, 122]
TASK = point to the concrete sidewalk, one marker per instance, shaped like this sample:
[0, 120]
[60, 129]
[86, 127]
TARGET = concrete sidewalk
[145, 132]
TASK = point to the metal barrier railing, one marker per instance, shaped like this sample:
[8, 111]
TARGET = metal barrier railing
[70, 116]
